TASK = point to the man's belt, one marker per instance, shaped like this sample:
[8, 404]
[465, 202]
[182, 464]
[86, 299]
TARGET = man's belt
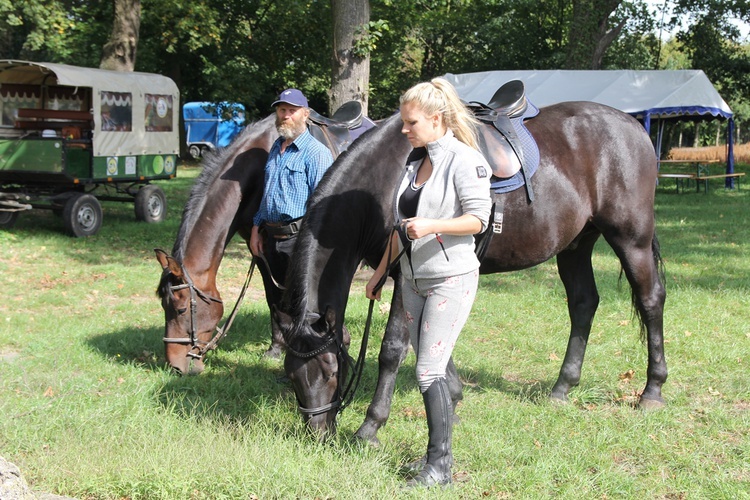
[287, 229]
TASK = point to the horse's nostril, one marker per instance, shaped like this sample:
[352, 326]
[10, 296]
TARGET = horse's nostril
[177, 370]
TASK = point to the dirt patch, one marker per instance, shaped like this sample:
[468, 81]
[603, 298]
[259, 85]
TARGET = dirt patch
[8, 355]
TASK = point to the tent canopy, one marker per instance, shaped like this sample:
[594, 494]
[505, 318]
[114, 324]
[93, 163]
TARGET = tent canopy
[644, 93]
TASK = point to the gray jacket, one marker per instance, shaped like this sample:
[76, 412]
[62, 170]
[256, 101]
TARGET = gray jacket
[459, 184]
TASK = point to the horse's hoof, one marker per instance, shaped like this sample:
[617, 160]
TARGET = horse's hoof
[272, 353]
[651, 404]
[558, 401]
[370, 441]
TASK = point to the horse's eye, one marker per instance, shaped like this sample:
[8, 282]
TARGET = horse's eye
[182, 311]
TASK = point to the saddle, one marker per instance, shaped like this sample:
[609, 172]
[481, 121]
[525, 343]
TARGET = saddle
[509, 149]
[337, 132]
[508, 146]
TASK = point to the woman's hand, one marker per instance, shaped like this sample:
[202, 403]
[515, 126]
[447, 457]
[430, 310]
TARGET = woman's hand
[418, 227]
[369, 288]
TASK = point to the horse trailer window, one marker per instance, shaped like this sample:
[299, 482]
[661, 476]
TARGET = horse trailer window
[159, 111]
[117, 111]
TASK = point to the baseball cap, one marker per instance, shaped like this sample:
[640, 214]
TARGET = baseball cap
[292, 96]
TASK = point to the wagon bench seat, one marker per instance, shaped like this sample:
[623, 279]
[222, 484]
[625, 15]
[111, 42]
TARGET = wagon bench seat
[54, 114]
[30, 118]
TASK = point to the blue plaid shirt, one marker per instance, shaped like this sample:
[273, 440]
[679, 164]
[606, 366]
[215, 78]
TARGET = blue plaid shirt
[291, 178]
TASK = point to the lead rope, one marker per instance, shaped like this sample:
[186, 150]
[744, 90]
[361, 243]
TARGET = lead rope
[359, 366]
[221, 331]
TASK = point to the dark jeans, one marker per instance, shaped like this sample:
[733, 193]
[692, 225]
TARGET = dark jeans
[278, 254]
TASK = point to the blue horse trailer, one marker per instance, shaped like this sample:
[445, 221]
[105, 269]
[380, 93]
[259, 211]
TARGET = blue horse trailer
[211, 125]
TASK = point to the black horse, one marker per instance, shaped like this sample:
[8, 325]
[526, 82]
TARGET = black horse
[596, 177]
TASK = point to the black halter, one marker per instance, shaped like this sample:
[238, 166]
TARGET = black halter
[342, 356]
[344, 399]
[198, 348]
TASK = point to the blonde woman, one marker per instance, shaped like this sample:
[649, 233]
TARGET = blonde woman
[442, 201]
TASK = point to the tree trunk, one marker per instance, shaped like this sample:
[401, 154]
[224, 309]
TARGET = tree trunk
[350, 75]
[589, 37]
[118, 53]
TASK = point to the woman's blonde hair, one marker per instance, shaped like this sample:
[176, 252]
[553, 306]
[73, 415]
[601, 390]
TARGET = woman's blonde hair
[439, 96]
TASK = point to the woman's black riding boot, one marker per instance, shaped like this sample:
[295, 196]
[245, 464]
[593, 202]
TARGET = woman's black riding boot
[437, 404]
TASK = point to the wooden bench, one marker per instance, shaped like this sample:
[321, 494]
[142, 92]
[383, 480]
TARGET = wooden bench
[706, 178]
[38, 119]
[679, 179]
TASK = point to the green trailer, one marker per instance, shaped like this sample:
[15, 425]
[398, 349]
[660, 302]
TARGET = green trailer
[71, 137]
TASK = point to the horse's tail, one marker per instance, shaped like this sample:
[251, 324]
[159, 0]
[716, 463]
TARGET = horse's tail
[661, 274]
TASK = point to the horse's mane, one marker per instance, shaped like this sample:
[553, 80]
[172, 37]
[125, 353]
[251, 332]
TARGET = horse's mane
[214, 163]
[341, 174]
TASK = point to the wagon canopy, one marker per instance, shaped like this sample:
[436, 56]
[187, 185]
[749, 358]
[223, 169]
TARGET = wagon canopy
[133, 113]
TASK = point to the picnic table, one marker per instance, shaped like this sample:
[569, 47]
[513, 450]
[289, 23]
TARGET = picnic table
[683, 171]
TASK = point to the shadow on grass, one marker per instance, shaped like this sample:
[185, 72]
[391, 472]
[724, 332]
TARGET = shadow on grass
[237, 378]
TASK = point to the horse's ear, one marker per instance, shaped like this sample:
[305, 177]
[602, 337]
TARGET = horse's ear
[311, 317]
[330, 318]
[161, 256]
[280, 317]
[174, 267]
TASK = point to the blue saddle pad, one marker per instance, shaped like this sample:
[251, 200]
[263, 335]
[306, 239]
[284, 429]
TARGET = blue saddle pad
[530, 154]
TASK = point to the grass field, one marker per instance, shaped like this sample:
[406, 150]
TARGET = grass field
[88, 410]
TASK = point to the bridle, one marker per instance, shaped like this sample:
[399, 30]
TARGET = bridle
[342, 356]
[199, 348]
[343, 399]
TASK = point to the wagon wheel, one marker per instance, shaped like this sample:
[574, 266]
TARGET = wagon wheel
[150, 204]
[82, 215]
[195, 151]
[8, 219]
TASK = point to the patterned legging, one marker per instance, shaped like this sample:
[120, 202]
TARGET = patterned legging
[436, 311]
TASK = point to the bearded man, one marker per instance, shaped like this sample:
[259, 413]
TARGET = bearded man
[295, 165]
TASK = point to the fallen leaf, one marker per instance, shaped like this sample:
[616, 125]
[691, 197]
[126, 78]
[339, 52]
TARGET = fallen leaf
[553, 357]
[627, 376]
[49, 393]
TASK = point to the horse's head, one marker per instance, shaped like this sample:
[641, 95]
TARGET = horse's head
[190, 314]
[316, 364]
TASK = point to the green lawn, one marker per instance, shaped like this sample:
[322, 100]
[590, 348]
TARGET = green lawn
[88, 409]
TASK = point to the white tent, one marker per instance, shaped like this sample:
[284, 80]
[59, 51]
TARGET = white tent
[645, 94]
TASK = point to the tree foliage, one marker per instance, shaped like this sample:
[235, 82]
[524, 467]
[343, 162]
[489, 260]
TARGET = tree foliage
[249, 50]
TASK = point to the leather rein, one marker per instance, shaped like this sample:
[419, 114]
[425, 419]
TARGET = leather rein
[198, 348]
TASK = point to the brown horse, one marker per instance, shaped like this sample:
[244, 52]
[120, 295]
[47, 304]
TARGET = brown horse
[596, 177]
[222, 203]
